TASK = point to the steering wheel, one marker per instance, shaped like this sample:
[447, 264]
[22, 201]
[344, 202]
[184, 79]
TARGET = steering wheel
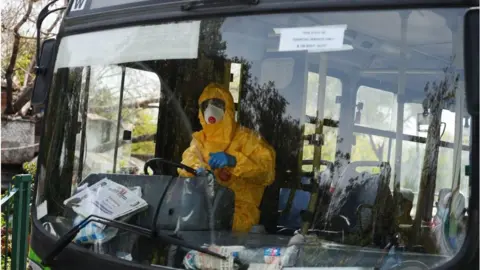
[154, 164]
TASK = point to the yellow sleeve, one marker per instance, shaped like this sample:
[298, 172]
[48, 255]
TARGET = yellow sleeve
[255, 162]
[192, 157]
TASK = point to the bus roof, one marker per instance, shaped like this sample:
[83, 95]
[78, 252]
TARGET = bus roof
[87, 7]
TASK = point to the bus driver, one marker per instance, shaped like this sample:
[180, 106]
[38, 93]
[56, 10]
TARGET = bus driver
[240, 159]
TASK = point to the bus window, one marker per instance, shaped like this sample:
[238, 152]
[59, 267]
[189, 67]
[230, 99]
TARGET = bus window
[374, 112]
[331, 112]
[375, 138]
[414, 151]
[235, 85]
[235, 73]
[368, 147]
[107, 138]
[412, 156]
[375, 108]
[412, 123]
[140, 110]
[333, 90]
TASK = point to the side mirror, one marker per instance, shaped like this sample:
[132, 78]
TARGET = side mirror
[470, 51]
[44, 72]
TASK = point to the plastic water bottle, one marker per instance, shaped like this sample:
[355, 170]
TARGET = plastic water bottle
[269, 255]
[265, 258]
[294, 251]
[285, 256]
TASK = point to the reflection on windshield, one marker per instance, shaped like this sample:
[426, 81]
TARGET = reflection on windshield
[267, 150]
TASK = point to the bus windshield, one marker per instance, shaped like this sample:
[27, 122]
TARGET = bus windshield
[348, 129]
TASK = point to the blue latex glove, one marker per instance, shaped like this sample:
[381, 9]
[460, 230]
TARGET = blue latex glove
[221, 160]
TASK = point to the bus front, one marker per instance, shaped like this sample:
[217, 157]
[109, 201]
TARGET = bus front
[257, 135]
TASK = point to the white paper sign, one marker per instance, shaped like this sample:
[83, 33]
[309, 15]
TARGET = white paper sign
[318, 38]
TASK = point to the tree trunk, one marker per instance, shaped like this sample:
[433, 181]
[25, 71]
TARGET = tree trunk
[429, 172]
[22, 99]
[13, 59]
[26, 91]
[137, 104]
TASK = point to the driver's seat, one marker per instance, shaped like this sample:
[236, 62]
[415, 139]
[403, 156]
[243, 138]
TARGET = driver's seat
[268, 208]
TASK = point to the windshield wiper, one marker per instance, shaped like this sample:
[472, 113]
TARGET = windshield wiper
[70, 235]
[216, 3]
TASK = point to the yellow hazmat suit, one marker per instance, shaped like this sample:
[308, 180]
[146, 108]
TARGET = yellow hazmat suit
[255, 158]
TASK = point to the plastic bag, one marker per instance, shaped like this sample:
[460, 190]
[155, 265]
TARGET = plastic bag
[195, 260]
[92, 233]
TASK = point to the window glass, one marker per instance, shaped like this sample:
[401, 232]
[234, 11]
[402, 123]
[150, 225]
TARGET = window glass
[331, 109]
[412, 124]
[375, 108]
[282, 111]
[333, 90]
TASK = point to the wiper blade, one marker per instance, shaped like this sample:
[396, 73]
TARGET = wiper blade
[70, 235]
[216, 3]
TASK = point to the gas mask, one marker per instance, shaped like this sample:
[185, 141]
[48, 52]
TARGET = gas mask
[213, 110]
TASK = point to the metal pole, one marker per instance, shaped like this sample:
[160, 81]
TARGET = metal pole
[84, 125]
[119, 120]
[346, 127]
[459, 109]
[7, 229]
[400, 109]
[389, 154]
[21, 218]
[458, 139]
[317, 156]
[322, 89]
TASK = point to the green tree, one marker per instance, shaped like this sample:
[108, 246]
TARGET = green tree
[145, 125]
[438, 96]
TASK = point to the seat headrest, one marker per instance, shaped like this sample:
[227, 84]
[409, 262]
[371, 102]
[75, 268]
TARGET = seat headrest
[442, 193]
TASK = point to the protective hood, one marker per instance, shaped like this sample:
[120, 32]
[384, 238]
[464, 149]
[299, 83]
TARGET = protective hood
[218, 135]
